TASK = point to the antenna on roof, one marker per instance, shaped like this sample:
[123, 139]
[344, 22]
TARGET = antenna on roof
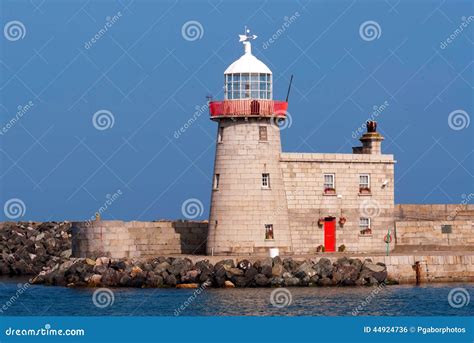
[289, 87]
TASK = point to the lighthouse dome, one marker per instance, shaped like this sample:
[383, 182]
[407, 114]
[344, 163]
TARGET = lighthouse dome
[248, 77]
[248, 63]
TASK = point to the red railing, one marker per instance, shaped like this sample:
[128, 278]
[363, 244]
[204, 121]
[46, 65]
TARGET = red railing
[236, 108]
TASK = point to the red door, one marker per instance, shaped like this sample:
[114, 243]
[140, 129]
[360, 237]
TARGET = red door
[330, 234]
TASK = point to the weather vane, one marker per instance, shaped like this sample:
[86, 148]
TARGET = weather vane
[247, 36]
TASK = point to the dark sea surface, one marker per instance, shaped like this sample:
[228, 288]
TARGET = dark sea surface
[404, 300]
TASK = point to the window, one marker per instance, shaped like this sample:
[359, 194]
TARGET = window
[364, 182]
[269, 231]
[216, 181]
[262, 133]
[329, 184]
[265, 180]
[364, 226]
[248, 85]
[220, 135]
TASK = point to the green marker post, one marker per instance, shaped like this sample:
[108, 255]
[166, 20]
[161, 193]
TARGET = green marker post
[388, 238]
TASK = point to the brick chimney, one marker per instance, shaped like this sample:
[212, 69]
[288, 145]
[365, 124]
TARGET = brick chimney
[371, 141]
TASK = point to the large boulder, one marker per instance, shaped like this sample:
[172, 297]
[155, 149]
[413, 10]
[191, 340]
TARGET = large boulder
[305, 270]
[111, 278]
[180, 266]
[261, 280]
[266, 270]
[153, 280]
[345, 275]
[323, 268]
[171, 280]
[161, 267]
[277, 270]
[191, 276]
[377, 271]
[291, 282]
[290, 264]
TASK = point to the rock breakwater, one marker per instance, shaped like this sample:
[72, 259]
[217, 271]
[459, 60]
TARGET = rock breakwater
[183, 273]
[27, 248]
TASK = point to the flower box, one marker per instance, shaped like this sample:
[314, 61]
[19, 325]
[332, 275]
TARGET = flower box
[364, 190]
[330, 191]
[367, 231]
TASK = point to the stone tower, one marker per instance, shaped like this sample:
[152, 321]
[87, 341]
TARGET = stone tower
[249, 212]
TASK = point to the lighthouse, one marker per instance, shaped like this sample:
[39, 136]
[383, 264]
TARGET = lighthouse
[249, 211]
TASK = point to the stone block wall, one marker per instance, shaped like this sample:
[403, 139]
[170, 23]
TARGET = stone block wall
[413, 212]
[433, 268]
[303, 177]
[428, 233]
[134, 239]
[241, 206]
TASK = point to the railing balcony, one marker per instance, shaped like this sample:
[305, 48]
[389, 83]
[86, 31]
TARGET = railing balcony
[247, 108]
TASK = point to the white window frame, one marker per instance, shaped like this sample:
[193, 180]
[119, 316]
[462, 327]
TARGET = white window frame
[333, 185]
[265, 180]
[267, 227]
[361, 185]
[216, 181]
[362, 226]
[235, 88]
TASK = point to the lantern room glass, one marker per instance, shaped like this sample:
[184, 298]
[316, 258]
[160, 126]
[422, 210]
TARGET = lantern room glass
[248, 86]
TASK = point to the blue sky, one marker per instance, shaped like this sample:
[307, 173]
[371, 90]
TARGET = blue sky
[149, 75]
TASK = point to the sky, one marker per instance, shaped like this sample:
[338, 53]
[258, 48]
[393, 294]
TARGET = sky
[102, 103]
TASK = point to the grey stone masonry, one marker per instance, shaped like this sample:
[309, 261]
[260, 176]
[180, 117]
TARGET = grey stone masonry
[120, 239]
[243, 205]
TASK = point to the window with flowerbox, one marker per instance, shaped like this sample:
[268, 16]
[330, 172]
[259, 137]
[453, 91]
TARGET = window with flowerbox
[329, 184]
[364, 184]
[364, 226]
[269, 231]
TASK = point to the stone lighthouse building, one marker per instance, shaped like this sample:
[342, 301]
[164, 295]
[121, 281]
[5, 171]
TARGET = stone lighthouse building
[249, 212]
[297, 202]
